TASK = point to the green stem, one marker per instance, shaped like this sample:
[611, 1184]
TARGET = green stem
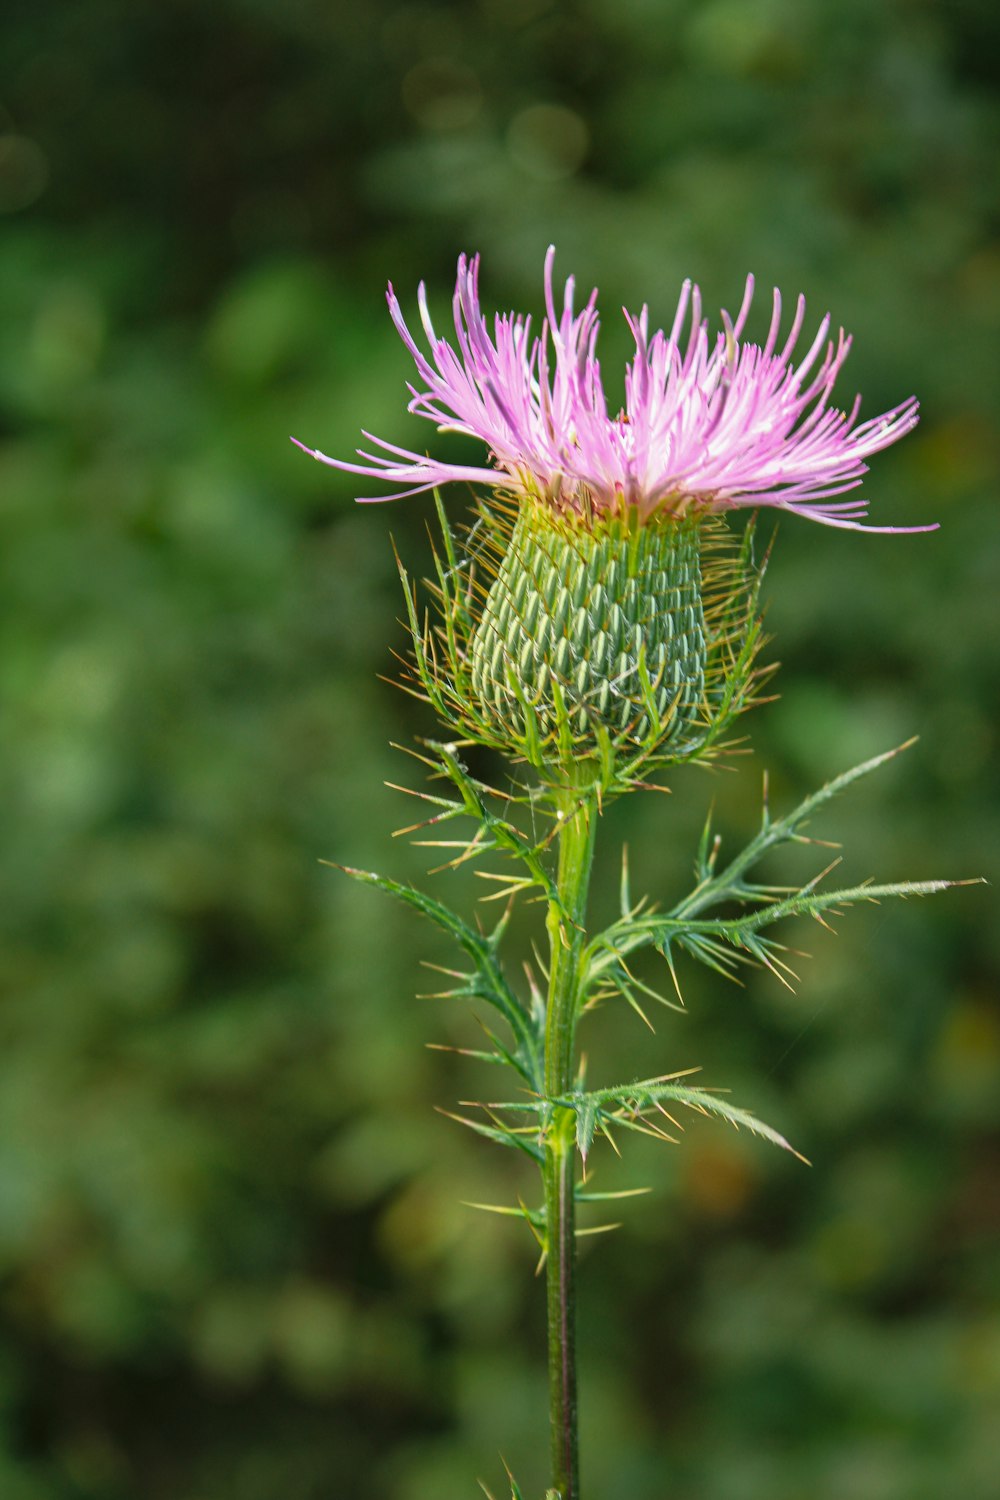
[565, 922]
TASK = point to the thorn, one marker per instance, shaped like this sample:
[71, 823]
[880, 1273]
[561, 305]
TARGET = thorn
[660, 1135]
[772, 966]
[673, 975]
[530, 1221]
[639, 1192]
[666, 1113]
[672, 1077]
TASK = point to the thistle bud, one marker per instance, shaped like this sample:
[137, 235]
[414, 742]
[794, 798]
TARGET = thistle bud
[590, 645]
[593, 626]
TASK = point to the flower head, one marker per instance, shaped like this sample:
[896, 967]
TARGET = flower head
[708, 423]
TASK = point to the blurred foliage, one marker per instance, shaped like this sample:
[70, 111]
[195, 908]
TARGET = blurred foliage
[233, 1257]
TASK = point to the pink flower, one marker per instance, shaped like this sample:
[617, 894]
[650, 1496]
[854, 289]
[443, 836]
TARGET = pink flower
[712, 423]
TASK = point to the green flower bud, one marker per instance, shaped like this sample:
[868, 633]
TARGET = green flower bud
[589, 622]
[591, 646]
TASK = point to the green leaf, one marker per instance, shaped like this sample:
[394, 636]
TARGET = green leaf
[503, 1135]
[586, 1122]
[627, 1105]
[534, 1218]
[496, 833]
[723, 943]
[488, 981]
[729, 881]
[588, 1197]
[515, 1493]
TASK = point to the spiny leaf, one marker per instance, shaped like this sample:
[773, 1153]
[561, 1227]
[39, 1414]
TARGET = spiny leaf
[501, 1134]
[702, 1100]
[495, 832]
[708, 849]
[532, 1217]
[624, 892]
[723, 943]
[515, 1493]
[634, 1099]
[487, 1057]
[586, 1121]
[722, 886]
[489, 982]
[585, 1196]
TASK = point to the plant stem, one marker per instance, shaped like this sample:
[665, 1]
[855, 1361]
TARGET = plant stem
[565, 922]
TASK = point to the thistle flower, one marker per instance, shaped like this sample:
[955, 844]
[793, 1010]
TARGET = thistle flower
[600, 625]
[707, 424]
[615, 625]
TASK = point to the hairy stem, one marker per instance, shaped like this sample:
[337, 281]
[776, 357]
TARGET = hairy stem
[565, 922]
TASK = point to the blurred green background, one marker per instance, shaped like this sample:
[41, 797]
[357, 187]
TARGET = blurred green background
[234, 1263]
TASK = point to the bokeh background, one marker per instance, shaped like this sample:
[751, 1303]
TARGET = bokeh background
[234, 1261]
